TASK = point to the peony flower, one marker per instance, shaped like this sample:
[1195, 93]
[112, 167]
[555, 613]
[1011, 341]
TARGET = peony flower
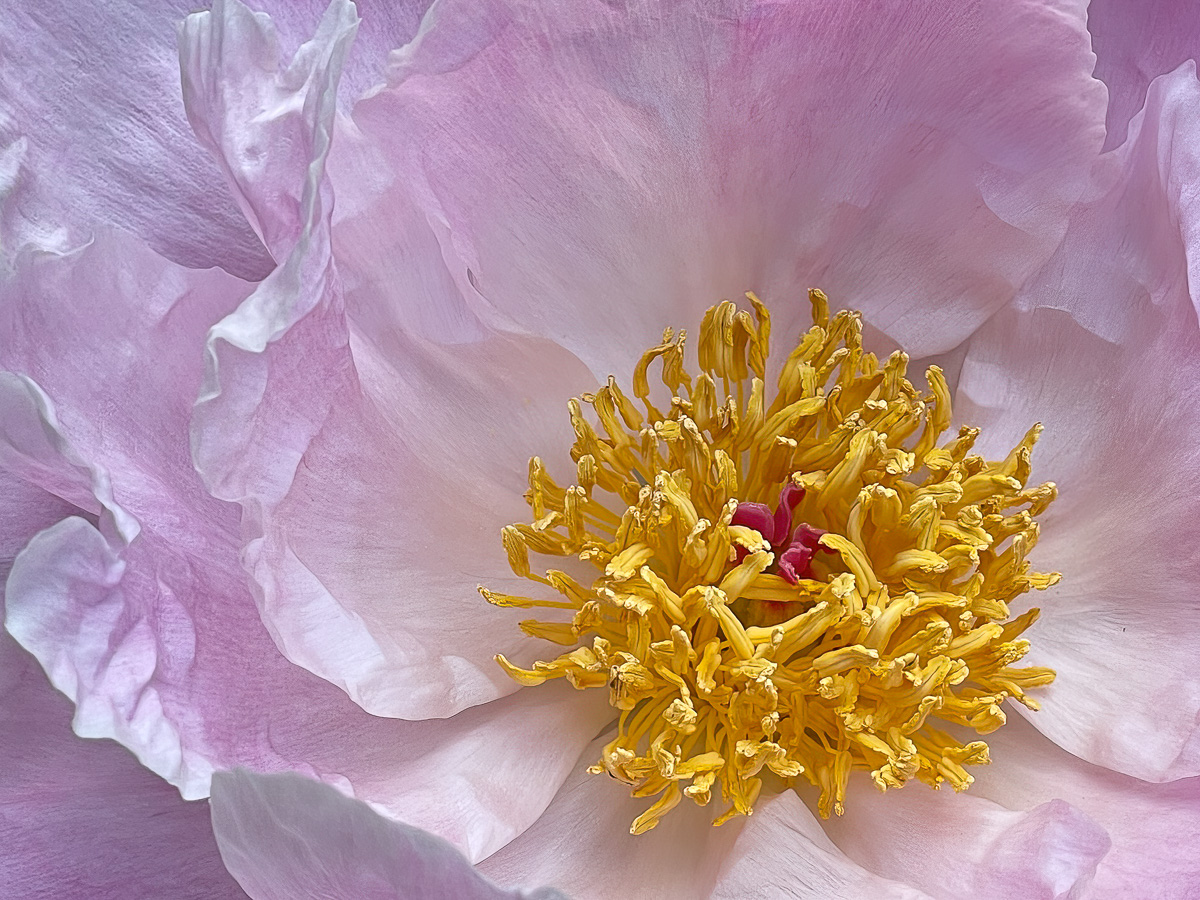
[249, 507]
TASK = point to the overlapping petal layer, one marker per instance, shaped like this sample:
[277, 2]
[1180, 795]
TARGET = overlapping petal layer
[582, 844]
[1134, 43]
[366, 577]
[137, 606]
[629, 185]
[287, 838]
[79, 816]
[1154, 828]
[962, 845]
[91, 96]
[597, 171]
[1103, 347]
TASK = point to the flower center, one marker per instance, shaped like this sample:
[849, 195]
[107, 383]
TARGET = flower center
[744, 646]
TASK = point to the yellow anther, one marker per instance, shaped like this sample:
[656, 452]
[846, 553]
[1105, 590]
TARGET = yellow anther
[740, 577]
[843, 658]
[832, 630]
[667, 802]
[628, 561]
[855, 560]
[514, 547]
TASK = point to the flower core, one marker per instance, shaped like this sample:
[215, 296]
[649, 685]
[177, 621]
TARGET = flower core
[786, 587]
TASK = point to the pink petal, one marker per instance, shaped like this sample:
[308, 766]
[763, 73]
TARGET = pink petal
[601, 173]
[398, 272]
[27, 509]
[45, 479]
[147, 622]
[1135, 43]
[105, 140]
[377, 469]
[232, 75]
[108, 142]
[369, 565]
[285, 837]
[783, 851]
[116, 310]
[961, 845]
[1155, 828]
[78, 815]
[582, 844]
[82, 818]
[163, 653]
[245, 439]
[1104, 349]
[385, 26]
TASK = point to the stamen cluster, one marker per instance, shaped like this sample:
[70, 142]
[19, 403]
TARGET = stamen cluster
[728, 669]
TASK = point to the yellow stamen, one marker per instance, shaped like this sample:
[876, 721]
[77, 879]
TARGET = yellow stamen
[718, 666]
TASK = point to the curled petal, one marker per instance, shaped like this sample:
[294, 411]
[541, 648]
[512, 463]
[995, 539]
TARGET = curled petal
[1155, 828]
[960, 845]
[1135, 43]
[83, 815]
[108, 143]
[269, 125]
[285, 837]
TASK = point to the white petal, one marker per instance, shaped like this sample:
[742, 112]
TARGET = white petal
[285, 837]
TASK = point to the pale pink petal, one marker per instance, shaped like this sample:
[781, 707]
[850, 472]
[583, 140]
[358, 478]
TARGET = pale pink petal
[399, 272]
[164, 653]
[783, 851]
[285, 837]
[77, 817]
[148, 623]
[1155, 828]
[369, 565]
[92, 92]
[582, 844]
[46, 479]
[82, 818]
[594, 173]
[107, 141]
[26, 510]
[1135, 42]
[1104, 348]
[962, 845]
[246, 439]
[114, 307]
[377, 468]
[171, 661]
[385, 26]
[267, 124]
